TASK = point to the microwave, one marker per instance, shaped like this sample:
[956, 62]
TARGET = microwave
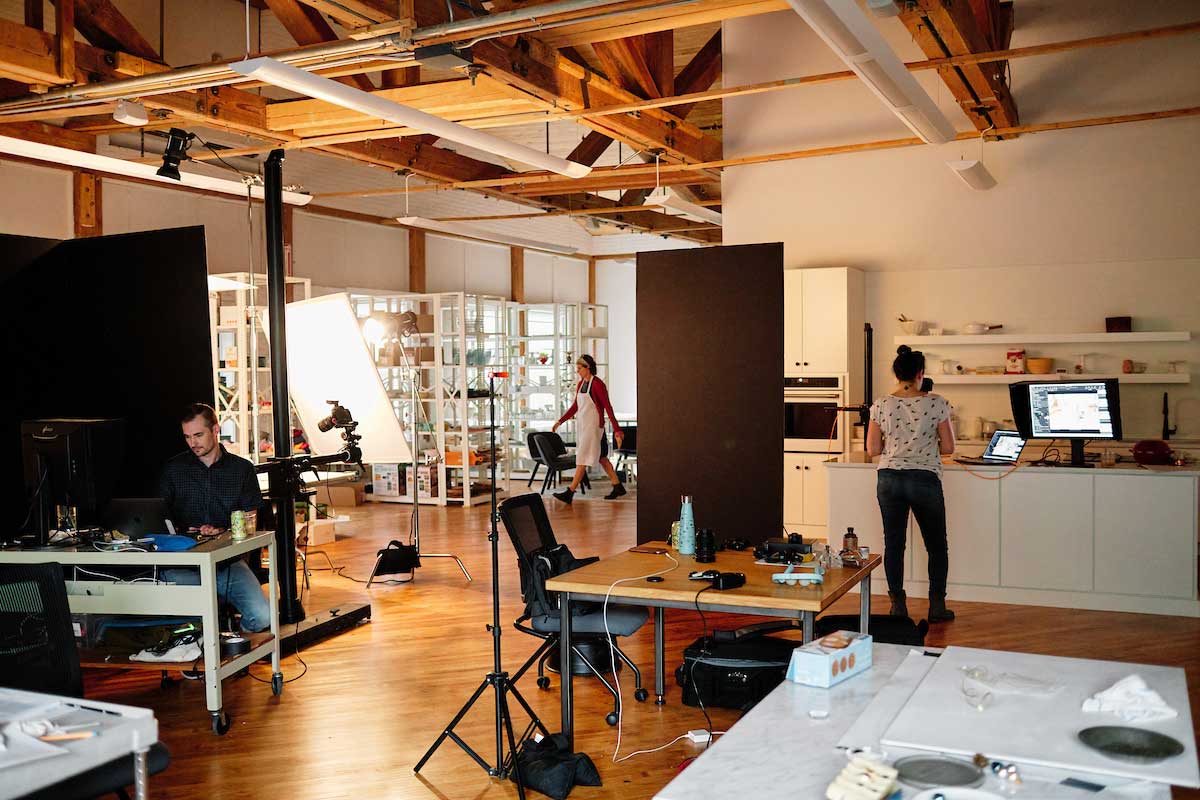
[812, 421]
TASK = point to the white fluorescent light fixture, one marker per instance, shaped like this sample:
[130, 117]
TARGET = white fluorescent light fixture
[134, 169]
[131, 113]
[475, 232]
[973, 174]
[849, 32]
[217, 283]
[884, 8]
[679, 207]
[285, 76]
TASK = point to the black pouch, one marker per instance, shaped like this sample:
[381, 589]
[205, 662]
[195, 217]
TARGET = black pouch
[733, 674]
[551, 768]
[397, 558]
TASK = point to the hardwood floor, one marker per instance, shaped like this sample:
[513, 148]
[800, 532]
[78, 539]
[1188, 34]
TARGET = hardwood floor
[376, 697]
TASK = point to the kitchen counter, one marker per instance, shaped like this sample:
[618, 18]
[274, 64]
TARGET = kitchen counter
[1121, 539]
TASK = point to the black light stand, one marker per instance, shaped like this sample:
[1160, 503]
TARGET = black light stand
[497, 678]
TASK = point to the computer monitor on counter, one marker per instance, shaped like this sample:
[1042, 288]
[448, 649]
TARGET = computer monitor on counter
[1077, 410]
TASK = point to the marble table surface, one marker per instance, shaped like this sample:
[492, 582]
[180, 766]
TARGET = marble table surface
[777, 750]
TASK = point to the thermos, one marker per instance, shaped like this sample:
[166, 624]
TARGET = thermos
[687, 527]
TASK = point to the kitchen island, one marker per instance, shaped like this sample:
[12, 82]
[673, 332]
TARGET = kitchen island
[1120, 539]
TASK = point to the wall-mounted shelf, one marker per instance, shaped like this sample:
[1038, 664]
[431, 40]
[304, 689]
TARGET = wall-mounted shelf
[1049, 338]
[1145, 377]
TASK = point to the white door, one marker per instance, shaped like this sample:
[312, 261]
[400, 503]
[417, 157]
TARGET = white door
[794, 495]
[793, 326]
[816, 490]
[823, 321]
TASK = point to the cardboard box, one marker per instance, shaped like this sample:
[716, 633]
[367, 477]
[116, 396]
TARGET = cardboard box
[342, 496]
[829, 660]
[229, 316]
[425, 323]
[318, 532]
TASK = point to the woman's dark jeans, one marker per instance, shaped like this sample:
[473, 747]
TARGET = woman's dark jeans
[918, 490]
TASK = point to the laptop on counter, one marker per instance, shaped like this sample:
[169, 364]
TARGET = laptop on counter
[1004, 449]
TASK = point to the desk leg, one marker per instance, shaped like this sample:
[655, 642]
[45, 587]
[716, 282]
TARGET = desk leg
[659, 677]
[864, 599]
[141, 775]
[806, 620]
[212, 639]
[564, 656]
[273, 603]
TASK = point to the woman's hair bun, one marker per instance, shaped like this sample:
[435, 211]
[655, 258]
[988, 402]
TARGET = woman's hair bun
[903, 350]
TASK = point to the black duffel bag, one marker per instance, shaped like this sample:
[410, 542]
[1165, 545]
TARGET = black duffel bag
[733, 674]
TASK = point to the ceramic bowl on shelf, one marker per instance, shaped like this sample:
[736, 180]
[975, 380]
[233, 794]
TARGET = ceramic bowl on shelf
[914, 327]
[1039, 366]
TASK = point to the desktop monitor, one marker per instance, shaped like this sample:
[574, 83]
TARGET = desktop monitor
[1076, 410]
[69, 463]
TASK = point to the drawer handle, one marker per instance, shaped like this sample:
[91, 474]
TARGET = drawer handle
[806, 467]
[797, 466]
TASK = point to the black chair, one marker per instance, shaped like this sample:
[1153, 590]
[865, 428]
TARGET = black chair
[38, 654]
[628, 449]
[549, 450]
[528, 526]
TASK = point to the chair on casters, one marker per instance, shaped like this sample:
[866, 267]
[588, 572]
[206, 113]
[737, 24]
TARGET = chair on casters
[628, 450]
[528, 526]
[39, 655]
[552, 452]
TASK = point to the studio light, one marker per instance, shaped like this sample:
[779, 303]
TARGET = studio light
[131, 113]
[679, 207]
[475, 232]
[285, 76]
[379, 328]
[178, 141]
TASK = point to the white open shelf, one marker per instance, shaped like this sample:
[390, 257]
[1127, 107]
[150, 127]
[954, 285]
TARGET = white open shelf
[1145, 377]
[1050, 338]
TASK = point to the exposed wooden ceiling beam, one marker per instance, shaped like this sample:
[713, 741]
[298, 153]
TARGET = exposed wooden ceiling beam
[49, 134]
[626, 63]
[659, 19]
[356, 14]
[104, 26]
[28, 56]
[606, 181]
[699, 74]
[64, 39]
[590, 148]
[307, 26]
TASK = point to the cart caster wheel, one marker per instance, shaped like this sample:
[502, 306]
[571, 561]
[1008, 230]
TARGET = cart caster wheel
[220, 722]
[543, 682]
[640, 695]
[277, 684]
[611, 719]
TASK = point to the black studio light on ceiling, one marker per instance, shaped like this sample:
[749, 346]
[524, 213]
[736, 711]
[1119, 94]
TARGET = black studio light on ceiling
[178, 141]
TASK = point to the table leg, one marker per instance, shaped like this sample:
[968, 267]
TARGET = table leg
[564, 657]
[659, 677]
[273, 603]
[212, 638]
[141, 775]
[864, 599]
[806, 619]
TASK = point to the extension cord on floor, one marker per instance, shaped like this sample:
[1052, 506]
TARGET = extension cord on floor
[699, 737]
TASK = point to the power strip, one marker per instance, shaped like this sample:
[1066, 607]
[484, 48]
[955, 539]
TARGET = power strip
[699, 737]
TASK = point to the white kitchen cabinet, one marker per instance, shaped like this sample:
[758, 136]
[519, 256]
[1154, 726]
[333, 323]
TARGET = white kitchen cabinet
[793, 489]
[823, 312]
[1046, 531]
[816, 490]
[852, 504]
[973, 529]
[1137, 536]
[805, 493]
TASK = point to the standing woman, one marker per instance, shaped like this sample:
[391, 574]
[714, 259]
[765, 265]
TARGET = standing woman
[910, 431]
[591, 447]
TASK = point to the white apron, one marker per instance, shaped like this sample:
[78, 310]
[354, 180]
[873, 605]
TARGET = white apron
[587, 429]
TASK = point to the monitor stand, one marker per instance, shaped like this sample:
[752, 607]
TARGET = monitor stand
[1077, 457]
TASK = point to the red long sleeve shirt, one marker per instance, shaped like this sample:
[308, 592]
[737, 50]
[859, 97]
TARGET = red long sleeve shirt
[599, 393]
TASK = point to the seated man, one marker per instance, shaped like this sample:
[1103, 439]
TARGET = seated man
[202, 487]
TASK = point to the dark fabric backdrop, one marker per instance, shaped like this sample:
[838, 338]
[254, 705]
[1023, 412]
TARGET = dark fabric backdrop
[710, 389]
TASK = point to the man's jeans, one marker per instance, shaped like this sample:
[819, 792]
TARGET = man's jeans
[918, 490]
[236, 585]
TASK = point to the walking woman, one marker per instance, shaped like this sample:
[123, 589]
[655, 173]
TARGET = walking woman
[591, 446]
[910, 431]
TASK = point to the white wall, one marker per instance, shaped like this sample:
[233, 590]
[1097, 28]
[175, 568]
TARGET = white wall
[341, 253]
[555, 279]
[616, 285]
[42, 207]
[459, 265]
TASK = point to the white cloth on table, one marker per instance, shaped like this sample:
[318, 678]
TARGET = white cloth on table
[180, 652]
[1131, 700]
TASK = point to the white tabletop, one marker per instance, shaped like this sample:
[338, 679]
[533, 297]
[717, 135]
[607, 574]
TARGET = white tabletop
[778, 751]
[123, 730]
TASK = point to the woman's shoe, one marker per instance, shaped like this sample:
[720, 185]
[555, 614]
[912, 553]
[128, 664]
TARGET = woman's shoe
[618, 489]
[566, 496]
[937, 608]
[899, 604]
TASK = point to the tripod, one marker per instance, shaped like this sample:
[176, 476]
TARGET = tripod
[497, 678]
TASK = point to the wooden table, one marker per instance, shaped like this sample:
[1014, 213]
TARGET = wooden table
[760, 595]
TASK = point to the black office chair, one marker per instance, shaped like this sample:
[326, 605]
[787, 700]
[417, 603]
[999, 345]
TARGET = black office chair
[528, 526]
[551, 452]
[38, 654]
[628, 449]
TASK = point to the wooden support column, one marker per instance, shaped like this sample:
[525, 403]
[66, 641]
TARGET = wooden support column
[416, 260]
[64, 36]
[591, 279]
[87, 205]
[517, 256]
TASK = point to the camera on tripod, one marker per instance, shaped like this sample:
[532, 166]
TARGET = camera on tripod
[340, 417]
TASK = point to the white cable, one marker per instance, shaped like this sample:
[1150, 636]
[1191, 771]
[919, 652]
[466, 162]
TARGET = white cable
[99, 574]
[612, 655]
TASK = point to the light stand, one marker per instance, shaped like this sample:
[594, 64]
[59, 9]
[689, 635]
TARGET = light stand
[497, 678]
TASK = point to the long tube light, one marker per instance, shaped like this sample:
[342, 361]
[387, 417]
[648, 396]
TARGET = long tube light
[671, 201]
[297, 80]
[848, 31]
[134, 169]
[476, 232]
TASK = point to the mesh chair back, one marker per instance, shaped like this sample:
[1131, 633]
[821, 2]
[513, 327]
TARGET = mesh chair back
[37, 645]
[532, 444]
[550, 444]
[524, 517]
[629, 441]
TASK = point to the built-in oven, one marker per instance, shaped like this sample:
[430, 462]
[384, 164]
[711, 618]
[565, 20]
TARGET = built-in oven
[811, 420]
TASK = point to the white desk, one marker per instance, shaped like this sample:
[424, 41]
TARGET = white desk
[123, 730]
[778, 751]
[91, 595]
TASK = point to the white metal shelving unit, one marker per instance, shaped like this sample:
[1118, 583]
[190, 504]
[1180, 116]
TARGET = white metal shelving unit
[242, 364]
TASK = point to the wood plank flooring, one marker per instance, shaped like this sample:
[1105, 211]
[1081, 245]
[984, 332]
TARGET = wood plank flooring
[376, 697]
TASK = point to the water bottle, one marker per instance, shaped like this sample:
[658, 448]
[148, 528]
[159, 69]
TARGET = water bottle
[687, 527]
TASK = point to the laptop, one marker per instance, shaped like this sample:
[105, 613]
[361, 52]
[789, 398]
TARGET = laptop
[137, 517]
[1004, 448]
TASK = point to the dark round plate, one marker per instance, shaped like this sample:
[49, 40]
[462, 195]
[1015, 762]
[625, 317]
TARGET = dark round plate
[926, 772]
[1135, 745]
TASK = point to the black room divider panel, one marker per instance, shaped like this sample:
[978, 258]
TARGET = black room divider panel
[710, 389]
